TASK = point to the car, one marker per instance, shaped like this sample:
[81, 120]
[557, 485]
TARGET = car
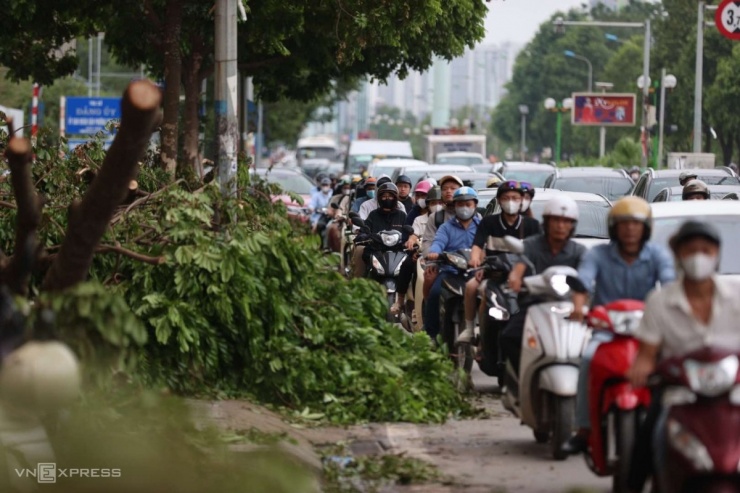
[418, 173]
[388, 166]
[459, 157]
[475, 180]
[592, 228]
[724, 214]
[653, 181]
[499, 165]
[674, 194]
[290, 180]
[612, 183]
[362, 152]
[485, 168]
[534, 173]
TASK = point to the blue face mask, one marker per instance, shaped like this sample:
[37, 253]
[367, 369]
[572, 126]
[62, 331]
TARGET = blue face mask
[371, 194]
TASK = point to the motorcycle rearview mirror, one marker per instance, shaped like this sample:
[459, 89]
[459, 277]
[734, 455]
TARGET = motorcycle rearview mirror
[515, 244]
[358, 221]
[408, 229]
[575, 284]
[353, 215]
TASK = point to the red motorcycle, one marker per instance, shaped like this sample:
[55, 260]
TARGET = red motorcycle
[616, 408]
[697, 440]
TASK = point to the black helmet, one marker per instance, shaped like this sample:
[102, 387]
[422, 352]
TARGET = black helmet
[387, 187]
[383, 179]
[332, 176]
[692, 229]
[509, 186]
[695, 187]
[527, 188]
[403, 179]
[320, 177]
[435, 193]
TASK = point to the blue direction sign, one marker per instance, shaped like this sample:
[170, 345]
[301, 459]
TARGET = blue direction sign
[88, 116]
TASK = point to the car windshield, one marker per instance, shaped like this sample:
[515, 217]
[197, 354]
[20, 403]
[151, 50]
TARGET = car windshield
[610, 187]
[728, 226]
[317, 153]
[383, 170]
[464, 160]
[363, 160]
[592, 218]
[659, 184]
[289, 182]
[536, 178]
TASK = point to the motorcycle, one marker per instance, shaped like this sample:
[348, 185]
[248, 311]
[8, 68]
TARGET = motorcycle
[697, 438]
[500, 304]
[542, 394]
[387, 257]
[452, 308]
[616, 408]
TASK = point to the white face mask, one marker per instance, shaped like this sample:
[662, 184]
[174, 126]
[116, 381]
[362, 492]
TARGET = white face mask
[699, 267]
[422, 203]
[436, 208]
[325, 189]
[511, 207]
[525, 204]
[464, 213]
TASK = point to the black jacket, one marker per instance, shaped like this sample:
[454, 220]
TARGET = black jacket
[408, 203]
[379, 220]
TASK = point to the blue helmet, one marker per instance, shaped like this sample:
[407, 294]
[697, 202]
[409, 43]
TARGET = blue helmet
[465, 193]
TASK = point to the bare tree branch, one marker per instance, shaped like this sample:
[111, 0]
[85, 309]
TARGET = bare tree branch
[18, 272]
[89, 219]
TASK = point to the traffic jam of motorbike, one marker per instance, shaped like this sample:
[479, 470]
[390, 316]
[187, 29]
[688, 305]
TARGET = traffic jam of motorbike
[606, 325]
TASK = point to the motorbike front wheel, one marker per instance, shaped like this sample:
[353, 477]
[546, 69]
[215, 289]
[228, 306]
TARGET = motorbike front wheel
[563, 414]
[625, 439]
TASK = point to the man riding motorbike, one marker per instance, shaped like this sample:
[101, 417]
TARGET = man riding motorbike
[553, 247]
[456, 234]
[448, 184]
[318, 202]
[509, 222]
[342, 201]
[628, 267]
[695, 190]
[370, 205]
[686, 177]
[420, 206]
[527, 199]
[385, 218]
[404, 185]
[699, 309]
[365, 191]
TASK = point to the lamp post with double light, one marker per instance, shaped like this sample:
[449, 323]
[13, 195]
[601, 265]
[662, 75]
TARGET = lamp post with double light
[558, 107]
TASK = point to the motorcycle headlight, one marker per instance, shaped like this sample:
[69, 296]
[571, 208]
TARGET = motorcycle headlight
[712, 379]
[558, 284]
[625, 322]
[690, 446]
[458, 261]
[377, 266]
[390, 239]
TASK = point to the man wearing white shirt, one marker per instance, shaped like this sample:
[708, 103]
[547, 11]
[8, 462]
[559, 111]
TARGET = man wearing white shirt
[370, 205]
[699, 309]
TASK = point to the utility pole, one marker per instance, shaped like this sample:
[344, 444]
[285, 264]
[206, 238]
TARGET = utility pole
[226, 75]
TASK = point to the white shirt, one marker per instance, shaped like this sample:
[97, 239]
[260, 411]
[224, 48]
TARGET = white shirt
[669, 322]
[370, 205]
[420, 224]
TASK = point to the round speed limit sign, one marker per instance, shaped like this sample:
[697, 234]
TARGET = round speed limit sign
[727, 19]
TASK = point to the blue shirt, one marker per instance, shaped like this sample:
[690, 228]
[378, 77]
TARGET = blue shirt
[358, 203]
[319, 201]
[451, 236]
[609, 278]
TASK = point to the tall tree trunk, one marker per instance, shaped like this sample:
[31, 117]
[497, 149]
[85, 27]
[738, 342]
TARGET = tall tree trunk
[172, 79]
[192, 81]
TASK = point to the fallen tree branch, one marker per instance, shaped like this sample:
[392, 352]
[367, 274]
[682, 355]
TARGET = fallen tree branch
[18, 272]
[143, 200]
[7, 205]
[90, 218]
[119, 250]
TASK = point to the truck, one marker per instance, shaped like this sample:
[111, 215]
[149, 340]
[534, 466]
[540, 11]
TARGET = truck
[443, 144]
[690, 160]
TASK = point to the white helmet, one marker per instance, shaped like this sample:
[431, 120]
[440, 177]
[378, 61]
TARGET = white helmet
[561, 206]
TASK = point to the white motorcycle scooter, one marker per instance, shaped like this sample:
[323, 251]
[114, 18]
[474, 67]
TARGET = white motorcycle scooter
[543, 394]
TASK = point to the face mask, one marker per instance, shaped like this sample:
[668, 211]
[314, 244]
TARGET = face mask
[436, 208]
[371, 194]
[422, 203]
[387, 204]
[525, 204]
[325, 189]
[464, 213]
[511, 207]
[345, 191]
[699, 267]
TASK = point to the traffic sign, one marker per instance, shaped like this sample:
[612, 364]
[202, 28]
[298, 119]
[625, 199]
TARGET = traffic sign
[727, 19]
[88, 116]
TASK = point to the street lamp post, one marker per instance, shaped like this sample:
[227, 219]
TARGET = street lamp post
[559, 27]
[666, 82]
[571, 54]
[559, 108]
[604, 86]
[524, 110]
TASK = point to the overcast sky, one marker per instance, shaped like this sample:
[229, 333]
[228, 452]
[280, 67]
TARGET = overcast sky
[518, 20]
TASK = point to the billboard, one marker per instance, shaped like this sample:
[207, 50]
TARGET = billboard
[603, 109]
[88, 116]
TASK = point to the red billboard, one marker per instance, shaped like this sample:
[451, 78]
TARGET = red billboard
[603, 109]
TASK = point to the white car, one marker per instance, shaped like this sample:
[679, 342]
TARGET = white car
[593, 211]
[388, 166]
[460, 157]
[724, 214]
